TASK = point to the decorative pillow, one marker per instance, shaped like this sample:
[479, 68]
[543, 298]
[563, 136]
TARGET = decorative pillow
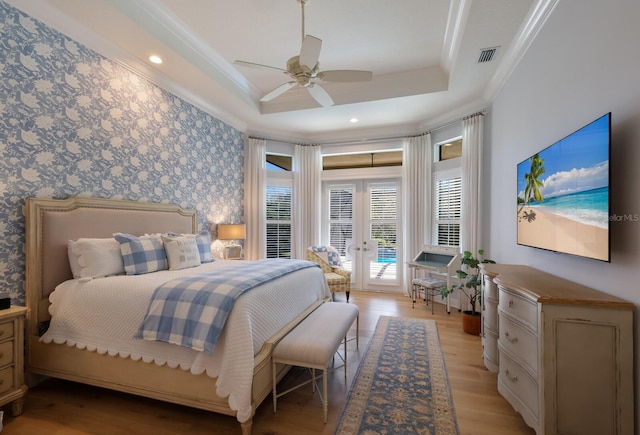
[73, 259]
[203, 239]
[182, 252]
[95, 258]
[329, 254]
[142, 254]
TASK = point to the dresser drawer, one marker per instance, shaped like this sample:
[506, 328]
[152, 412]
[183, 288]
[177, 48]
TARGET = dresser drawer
[6, 330]
[6, 353]
[516, 379]
[6, 379]
[525, 310]
[519, 341]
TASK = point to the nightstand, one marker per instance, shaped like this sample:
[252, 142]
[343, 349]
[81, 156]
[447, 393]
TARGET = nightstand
[12, 387]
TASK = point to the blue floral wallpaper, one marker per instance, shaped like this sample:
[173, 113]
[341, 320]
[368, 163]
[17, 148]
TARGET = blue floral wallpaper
[75, 123]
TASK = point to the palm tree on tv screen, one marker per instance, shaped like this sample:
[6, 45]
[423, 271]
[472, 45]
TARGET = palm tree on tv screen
[534, 184]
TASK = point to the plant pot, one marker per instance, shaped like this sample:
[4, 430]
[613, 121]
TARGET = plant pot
[471, 323]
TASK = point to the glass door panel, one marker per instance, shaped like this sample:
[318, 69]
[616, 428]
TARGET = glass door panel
[381, 247]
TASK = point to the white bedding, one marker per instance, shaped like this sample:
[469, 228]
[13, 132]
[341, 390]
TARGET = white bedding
[103, 314]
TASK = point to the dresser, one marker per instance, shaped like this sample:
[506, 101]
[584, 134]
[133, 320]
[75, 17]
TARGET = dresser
[12, 386]
[490, 293]
[564, 351]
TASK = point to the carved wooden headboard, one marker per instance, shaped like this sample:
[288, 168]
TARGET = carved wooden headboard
[50, 223]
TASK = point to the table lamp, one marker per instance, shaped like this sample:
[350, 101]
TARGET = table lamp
[232, 232]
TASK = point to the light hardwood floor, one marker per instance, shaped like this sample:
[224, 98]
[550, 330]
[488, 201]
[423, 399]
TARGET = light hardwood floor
[60, 407]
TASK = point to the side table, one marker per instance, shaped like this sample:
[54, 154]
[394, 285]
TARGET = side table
[12, 386]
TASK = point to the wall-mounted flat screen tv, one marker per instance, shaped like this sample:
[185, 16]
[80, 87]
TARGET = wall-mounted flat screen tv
[564, 194]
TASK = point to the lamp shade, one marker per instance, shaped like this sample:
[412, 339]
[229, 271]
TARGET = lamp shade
[231, 231]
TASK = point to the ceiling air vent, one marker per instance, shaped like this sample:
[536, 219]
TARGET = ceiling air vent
[487, 54]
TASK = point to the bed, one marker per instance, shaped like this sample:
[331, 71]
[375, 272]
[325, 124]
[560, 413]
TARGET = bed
[157, 370]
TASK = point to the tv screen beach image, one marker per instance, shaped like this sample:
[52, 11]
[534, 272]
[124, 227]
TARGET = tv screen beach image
[563, 194]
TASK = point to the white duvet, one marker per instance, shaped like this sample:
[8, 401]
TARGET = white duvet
[103, 314]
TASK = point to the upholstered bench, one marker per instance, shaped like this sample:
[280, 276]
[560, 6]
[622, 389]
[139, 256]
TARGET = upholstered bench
[313, 344]
[430, 286]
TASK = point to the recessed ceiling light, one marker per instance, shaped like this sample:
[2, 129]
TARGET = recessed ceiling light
[353, 120]
[155, 59]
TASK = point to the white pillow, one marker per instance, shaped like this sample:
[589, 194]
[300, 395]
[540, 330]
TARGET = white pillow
[182, 251]
[203, 239]
[97, 257]
[73, 260]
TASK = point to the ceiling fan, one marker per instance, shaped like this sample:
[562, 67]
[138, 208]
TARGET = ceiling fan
[304, 70]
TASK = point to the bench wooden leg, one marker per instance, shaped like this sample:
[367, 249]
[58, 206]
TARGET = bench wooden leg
[345, 358]
[275, 394]
[325, 397]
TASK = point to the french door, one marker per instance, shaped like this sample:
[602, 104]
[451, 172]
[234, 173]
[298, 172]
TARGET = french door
[362, 220]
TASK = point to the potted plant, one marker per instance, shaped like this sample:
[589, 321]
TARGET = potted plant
[470, 286]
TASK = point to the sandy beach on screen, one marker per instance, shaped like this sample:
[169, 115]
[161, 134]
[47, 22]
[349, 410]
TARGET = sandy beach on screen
[557, 233]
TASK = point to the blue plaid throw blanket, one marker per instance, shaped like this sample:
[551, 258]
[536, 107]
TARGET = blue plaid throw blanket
[191, 311]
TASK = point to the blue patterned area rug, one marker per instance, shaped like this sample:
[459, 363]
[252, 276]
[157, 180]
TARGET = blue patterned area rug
[401, 386]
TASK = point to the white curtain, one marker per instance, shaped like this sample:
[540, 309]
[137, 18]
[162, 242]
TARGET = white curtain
[472, 131]
[255, 191]
[417, 158]
[307, 173]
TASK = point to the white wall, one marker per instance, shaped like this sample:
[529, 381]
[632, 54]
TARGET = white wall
[583, 64]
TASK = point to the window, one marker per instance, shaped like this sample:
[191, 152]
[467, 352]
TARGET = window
[449, 150]
[362, 160]
[448, 208]
[279, 221]
[278, 162]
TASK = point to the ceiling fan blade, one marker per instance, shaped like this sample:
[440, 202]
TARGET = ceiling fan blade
[257, 66]
[345, 75]
[278, 91]
[320, 95]
[310, 51]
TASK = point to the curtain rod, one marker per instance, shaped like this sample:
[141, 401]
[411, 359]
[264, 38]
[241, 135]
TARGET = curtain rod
[356, 141]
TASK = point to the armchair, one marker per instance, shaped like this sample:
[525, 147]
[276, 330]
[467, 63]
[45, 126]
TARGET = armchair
[338, 278]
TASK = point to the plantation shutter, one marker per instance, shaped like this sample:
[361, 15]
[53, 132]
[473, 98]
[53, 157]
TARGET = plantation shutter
[340, 218]
[278, 221]
[384, 219]
[448, 211]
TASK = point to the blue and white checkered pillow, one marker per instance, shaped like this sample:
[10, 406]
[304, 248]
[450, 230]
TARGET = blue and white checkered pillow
[142, 254]
[332, 255]
[203, 239]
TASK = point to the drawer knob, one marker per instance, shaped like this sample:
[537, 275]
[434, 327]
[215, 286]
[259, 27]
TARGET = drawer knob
[513, 379]
[511, 303]
[513, 340]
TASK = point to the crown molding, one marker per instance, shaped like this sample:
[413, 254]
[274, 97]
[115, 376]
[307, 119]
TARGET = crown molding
[456, 21]
[538, 15]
